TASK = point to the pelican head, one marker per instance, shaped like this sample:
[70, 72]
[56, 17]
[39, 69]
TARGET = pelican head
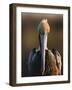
[43, 29]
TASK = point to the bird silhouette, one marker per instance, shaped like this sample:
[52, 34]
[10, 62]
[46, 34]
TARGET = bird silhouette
[43, 61]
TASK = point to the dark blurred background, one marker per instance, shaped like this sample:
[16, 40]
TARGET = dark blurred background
[30, 23]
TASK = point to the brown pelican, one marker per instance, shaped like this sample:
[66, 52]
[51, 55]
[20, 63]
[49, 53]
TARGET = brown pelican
[43, 61]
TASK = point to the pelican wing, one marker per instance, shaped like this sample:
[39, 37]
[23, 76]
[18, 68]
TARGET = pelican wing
[31, 54]
[51, 67]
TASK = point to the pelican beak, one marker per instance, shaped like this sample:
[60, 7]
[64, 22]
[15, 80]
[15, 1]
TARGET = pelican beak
[43, 43]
